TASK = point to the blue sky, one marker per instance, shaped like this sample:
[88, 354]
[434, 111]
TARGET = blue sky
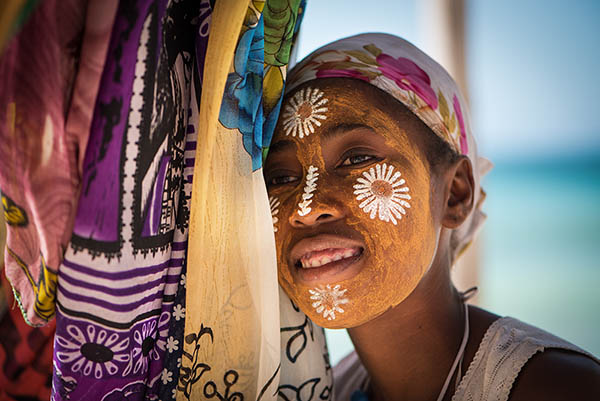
[533, 66]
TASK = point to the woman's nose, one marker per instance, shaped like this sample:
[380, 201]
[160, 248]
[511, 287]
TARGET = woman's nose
[319, 213]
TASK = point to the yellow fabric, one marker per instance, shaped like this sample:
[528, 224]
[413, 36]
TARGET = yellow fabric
[231, 279]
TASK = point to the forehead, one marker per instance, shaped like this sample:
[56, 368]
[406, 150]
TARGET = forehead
[332, 109]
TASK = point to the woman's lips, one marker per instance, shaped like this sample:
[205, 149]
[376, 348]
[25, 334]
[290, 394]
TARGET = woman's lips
[325, 259]
[326, 256]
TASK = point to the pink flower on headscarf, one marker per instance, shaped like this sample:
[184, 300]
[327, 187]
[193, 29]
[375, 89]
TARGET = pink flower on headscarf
[332, 73]
[464, 147]
[408, 76]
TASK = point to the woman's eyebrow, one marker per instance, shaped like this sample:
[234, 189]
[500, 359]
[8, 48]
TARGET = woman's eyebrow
[341, 129]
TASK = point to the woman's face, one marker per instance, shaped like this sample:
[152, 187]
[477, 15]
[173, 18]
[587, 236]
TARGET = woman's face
[349, 187]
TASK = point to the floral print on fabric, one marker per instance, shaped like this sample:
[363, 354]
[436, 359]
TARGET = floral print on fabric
[254, 89]
[120, 279]
[149, 342]
[93, 352]
[231, 334]
[242, 102]
[282, 22]
[305, 370]
[408, 76]
[464, 146]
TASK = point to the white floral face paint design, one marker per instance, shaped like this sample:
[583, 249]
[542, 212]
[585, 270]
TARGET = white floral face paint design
[274, 203]
[382, 193]
[328, 300]
[309, 188]
[304, 109]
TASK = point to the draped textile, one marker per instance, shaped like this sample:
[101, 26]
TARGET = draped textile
[231, 253]
[25, 354]
[39, 178]
[161, 128]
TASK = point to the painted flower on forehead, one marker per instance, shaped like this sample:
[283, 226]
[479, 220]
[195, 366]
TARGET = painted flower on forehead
[382, 193]
[327, 300]
[303, 111]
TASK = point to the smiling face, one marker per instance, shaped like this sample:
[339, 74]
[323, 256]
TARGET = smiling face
[350, 191]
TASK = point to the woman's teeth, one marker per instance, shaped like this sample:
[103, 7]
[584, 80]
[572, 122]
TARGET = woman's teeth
[320, 258]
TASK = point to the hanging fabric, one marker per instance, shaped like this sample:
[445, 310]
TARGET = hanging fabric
[156, 114]
[232, 345]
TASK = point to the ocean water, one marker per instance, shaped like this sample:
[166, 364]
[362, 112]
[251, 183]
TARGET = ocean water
[540, 249]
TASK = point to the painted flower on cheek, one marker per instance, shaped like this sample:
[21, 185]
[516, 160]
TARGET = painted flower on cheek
[327, 300]
[408, 76]
[304, 110]
[274, 203]
[382, 193]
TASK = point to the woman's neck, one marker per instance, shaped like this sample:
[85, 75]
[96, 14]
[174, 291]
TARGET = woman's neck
[409, 350]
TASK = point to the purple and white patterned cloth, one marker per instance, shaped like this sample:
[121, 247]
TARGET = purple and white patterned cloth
[121, 285]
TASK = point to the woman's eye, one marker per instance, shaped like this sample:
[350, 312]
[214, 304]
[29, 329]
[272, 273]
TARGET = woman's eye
[356, 159]
[284, 179]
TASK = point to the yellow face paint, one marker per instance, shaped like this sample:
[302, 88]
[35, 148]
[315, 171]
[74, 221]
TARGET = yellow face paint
[355, 240]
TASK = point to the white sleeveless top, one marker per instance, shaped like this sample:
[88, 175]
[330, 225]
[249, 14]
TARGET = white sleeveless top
[505, 348]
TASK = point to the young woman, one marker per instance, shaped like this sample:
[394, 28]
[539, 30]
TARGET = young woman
[376, 174]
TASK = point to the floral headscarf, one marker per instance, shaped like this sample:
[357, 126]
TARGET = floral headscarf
[399, 68]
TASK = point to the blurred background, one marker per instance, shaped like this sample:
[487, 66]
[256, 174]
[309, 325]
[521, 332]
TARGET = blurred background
[530, 69]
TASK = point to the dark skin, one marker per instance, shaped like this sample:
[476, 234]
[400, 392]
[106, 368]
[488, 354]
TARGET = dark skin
[409, 349]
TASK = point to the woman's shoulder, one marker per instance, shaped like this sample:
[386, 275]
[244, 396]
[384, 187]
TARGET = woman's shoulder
[558, 374]
[518, 360]
[507, 360]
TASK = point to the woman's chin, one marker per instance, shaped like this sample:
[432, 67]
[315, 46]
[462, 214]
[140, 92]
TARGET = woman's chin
[355, 314]
[330, 324]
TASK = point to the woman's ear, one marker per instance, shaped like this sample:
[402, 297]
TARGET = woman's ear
[460, 193]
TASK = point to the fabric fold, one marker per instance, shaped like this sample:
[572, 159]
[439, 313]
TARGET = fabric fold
[39, 177]
[163, 122]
